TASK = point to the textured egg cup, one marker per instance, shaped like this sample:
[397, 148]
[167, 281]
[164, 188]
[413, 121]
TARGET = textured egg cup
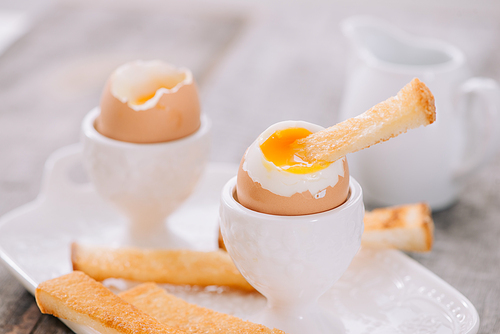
[293, 260]
[146, 182]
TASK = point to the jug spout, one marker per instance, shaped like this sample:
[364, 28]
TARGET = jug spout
[378, 43]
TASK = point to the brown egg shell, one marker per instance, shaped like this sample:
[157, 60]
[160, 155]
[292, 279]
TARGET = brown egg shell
[175, 116]
[251, 195]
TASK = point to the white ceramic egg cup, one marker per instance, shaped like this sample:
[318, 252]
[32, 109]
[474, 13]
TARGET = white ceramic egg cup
[146, 182]
[293, 260]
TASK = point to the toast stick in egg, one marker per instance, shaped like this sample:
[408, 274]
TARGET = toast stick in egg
[412, 107]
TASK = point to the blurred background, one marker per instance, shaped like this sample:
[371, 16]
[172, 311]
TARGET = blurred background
[250, 58]
[256, 63]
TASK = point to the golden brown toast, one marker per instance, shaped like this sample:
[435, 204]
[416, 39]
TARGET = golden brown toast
[79, 298]
[406, 227]
[220, 241]
[183, 267]
[175, 312]
[412, 107]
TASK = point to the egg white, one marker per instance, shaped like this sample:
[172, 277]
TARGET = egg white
[284, 183]
[138, 78]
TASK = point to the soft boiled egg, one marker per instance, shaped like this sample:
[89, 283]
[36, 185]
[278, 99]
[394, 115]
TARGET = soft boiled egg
[149, 102]
[272, 179]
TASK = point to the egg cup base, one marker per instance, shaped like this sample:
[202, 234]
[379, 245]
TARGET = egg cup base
[299, 321]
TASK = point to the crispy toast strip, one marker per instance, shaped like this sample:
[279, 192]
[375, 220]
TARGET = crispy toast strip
[406, 227]
[175, 312]
[79, 298]
[183, 267]
[412, 107]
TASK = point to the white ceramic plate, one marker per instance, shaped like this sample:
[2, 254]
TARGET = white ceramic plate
[383, 291]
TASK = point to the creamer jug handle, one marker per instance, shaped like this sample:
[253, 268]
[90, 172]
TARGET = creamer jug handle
[480, 99]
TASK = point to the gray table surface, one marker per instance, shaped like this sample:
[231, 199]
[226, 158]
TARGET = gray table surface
[255, 65]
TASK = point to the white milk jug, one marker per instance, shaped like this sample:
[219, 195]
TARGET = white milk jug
[426, 164]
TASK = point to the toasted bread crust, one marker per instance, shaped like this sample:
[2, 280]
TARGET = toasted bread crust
[183, 267]
[412, 107]
[407, 227]
[175, 312]
[220, 241]
[79, 298]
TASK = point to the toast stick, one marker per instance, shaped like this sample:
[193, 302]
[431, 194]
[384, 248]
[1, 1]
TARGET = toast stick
[184, 267]
[79, 298]
[406, 227]
[175, 312]
[412, 107]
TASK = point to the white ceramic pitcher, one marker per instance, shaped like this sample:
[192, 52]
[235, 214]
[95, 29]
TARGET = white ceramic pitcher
[427, 164]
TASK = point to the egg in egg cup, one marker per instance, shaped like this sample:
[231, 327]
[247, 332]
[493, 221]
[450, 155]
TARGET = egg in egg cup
[146, 147]
[293, 260]
[291, 227]
[292, 219]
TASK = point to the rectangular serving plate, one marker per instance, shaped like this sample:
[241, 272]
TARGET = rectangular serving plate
[383, 291]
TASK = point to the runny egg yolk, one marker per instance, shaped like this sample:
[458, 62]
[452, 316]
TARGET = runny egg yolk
[167, 83]
[279, 150]
[143, 99]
